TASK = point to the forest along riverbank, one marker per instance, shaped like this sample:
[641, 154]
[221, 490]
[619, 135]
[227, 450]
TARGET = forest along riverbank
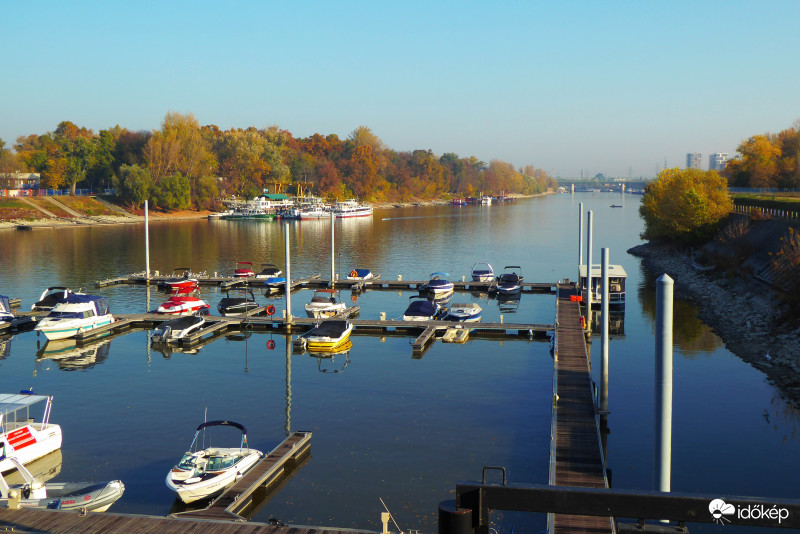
[742, 312]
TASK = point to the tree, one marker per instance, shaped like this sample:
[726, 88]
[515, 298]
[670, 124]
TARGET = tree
[135, 184]
[8, 161]
[684, 205]
[363, 136]
[173, 192]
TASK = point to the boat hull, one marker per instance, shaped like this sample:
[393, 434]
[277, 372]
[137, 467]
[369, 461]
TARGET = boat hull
[67, 328]
[75, 496]
[192, 490]
[29, 443]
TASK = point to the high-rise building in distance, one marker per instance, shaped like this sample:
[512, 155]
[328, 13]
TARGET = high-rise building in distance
[694, 160]
[717, 161]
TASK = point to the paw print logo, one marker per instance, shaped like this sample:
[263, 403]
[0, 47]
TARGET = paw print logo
[719, 509]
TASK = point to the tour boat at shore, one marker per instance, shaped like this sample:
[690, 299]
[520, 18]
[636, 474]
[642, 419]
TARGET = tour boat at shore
[73, 314]
[21, 437]
[351, 208]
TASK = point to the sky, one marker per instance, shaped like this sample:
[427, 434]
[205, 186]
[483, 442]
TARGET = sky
[575, 88]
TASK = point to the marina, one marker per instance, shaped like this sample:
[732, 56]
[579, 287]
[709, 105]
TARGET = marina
[406, 429]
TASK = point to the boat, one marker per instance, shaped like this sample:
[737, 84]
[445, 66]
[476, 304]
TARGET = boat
[616, 285]
[258, 208]
[181, 279]
[20, 435]
[459, 202]
[421, 309]
[268, 270]
[328, 335]
[37, 495]
[438, 286]
[183, 304]
[5, 309]
[275, 283]
[49, 297]
[177, 329]
[360, 274]
[244, 269]
[310, 208]
[324, 304]
[202, 473]
[482, 272]
[486, 200]
[509, 283]
[351, 208]
[465, 312]
[74, 314]
[616, 206]
[234, 306]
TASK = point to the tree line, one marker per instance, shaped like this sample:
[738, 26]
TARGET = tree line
[767, 161]
[185, 165]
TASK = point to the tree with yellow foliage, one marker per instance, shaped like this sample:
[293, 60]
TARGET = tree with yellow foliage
[684, 205]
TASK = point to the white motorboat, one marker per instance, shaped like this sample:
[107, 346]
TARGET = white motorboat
[73, 314]
[616, 285]
[486, 200]
[328, 335]
[177, 329]
[37, 495]
[438, 286]
[351, 208]
[50, 297]
[268, 270]
[20, 435]
[324, 304]
[482, 272]
[5, 309]
[509, 283]
[360, 275]
[180, 304]
[203, 473]
[465, 312]
[422, 309]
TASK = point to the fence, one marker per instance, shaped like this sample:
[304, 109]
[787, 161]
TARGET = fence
[741, 207]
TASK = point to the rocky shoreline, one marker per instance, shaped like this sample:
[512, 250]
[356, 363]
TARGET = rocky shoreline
[742, 312]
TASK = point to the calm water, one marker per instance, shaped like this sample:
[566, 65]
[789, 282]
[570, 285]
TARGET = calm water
[385, 425]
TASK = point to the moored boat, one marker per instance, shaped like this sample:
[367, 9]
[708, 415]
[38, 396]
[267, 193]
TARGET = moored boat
[438, 286]
[244, 269]
[240, 303]
[181, 279]
[466, 312]
[181, 304]
[482, 272]
[421, 309]
[73, 314]
[328, 335]
[177, 329]
[360, 274]
[351, 208]
[49, 297]
[616, 285]
[5, 309]
[268, 270]
[20, 435]
[509, 283]
[324, 304]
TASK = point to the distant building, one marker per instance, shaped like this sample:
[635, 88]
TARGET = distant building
[717, 161]
[694, 160]
[19, 180]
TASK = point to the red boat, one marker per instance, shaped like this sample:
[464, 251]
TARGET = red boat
[182, 304]
[182, 280]
[243, 269]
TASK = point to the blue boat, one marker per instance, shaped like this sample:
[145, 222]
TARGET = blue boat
[509, 283]
[275, 283]
[421, 309]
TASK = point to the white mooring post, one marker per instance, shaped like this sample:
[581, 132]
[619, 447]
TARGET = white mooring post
[588, 302]
[604, 307]
[288, 274]
[580, 241]
[333, 270]
[146, 243]
[663, 385]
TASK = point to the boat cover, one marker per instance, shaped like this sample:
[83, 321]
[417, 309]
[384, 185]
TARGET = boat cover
[221, 423]
[361, 273]
[100, 302]
[334, 329]
[423, 308]
[11, 402]
[182, 323]
[5, 305]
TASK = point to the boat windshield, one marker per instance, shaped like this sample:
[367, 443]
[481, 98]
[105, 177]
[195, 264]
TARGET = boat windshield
[69, 315]
[323, 298]
[219, 463]
[188, 461]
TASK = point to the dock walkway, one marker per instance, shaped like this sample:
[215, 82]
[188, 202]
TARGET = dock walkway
[576, 457]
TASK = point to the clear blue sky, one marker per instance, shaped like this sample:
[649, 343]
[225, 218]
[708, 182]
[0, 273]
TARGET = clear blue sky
[611, 87]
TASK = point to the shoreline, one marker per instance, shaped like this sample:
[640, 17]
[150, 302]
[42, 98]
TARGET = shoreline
[743, 313]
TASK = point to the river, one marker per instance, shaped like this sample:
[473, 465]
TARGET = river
[386, 425]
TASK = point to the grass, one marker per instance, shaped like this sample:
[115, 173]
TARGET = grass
[52, 208]
[11, 210]
[86, 205]
[770, 200]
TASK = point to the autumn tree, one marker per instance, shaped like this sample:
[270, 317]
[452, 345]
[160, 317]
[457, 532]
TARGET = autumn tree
[135, 184]
[684, 205]
[8, 160]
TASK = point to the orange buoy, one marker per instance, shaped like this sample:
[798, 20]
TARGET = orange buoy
[270, 310]
[271, 344]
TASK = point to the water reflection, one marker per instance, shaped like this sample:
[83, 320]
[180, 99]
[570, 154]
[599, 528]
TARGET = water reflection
[5, 347]
[333, 361]
[71, 357]
[616, 322]
[43, 469]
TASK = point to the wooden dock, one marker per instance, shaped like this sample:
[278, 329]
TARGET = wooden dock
[576, 456]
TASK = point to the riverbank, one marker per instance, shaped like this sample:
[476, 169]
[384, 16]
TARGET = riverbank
[743, 312]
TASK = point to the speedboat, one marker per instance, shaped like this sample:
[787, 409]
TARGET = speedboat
[20, 435]
[74, 314]
[234, 306]
[329, 335]
[5, 309]
[49, 297]
[37, 495]
[275, 283]
[466, 312]
[324, 304]
[360, 274]
[509, 283]
[177, 329]
[202, 473]
[181, 279]
[179, 304]
[269, 270]
[437, 286]
[482, 272]
[244, 269]
[422, 309]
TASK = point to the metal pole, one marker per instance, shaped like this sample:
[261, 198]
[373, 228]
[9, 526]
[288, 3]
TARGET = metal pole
[663, 385]
[146, 242]
[332, 250]
[589, 270]
[288, 425]
[604, 304]
[288, 271]
[580, 241]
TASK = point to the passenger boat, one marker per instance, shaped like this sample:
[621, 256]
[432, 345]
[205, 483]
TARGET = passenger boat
[20, 435]
[202, 473]
[269, 270]
[351, 208]
[234, 306]
[181, 304]
[275, 283]
[310, 208]
[74, 314]
[258, 208]
[482, 272]
[422, 309]
[616, 285]
[177, 329]
[181, 279]
[360, 274]
[324, 304]
[328, 335]
[464, 312]
[438, 286]
[49, 297]
[244, 269]
[5, 309]
[509, 283]
[37, 495]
